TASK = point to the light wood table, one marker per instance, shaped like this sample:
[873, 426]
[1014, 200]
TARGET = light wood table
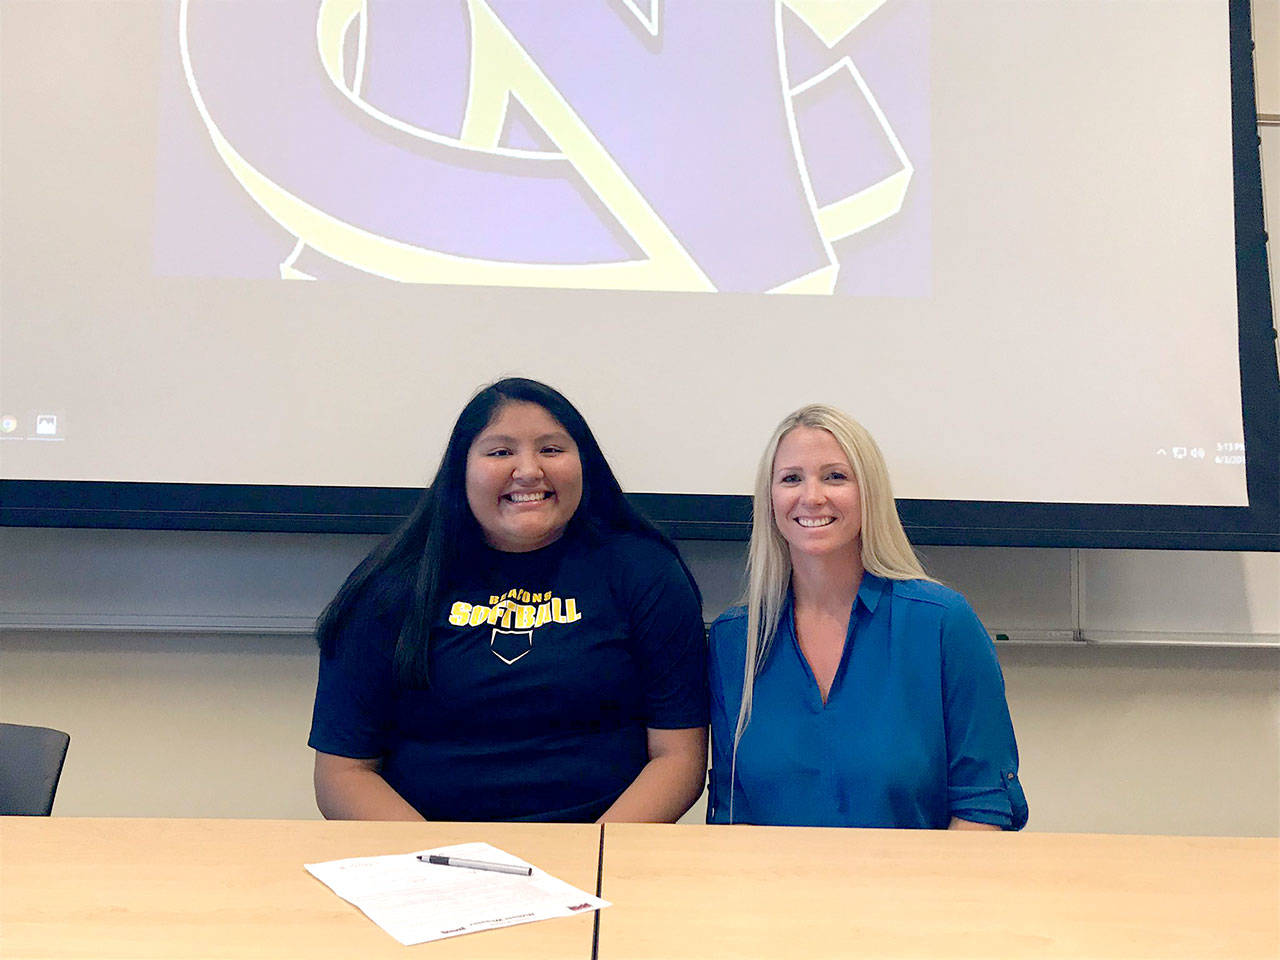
[745, 892]
[180, 889]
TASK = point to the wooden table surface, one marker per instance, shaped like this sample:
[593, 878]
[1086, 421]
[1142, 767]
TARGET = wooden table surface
[745, 892]
[114, 889]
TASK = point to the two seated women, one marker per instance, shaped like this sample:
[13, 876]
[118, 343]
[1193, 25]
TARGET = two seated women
[528, 647]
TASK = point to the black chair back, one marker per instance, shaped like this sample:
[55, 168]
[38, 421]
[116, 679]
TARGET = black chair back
[30, 765]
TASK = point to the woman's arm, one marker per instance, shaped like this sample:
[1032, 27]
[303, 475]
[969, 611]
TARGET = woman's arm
[352, 789]
[723, 677]
[668, 642]
[669, 784]
[982, 753]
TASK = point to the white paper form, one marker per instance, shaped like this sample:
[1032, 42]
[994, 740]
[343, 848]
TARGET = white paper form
[416, 901]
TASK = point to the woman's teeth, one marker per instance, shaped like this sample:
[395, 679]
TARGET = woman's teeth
[527, 497]
[815, 521]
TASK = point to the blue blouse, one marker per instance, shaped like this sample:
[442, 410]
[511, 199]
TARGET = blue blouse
[915, 730]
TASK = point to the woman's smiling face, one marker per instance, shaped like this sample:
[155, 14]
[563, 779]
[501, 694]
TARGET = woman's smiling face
[817, 505]
[524, 478]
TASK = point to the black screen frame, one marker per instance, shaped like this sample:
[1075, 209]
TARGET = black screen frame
[234, 507]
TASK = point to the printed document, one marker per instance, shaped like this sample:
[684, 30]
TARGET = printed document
[415, 901]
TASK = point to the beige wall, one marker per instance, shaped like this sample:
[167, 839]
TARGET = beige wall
[1266, 38]
[169, 725]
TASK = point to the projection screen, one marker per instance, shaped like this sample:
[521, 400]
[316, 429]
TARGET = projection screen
[258, 253]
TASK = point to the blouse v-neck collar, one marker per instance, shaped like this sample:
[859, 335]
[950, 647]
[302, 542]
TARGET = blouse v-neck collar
[870, 592]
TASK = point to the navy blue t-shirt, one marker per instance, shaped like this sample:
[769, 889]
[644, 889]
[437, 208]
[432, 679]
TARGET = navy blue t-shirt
[546, 669]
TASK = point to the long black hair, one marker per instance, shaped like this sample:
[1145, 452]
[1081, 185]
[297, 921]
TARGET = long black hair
[437, 536]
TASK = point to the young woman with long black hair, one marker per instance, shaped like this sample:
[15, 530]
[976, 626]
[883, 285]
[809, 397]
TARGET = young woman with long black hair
[525, 647]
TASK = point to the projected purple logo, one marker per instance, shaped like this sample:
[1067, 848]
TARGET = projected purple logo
[609, 144]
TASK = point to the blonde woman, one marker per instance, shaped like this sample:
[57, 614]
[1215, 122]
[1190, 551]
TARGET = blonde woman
[851, 689]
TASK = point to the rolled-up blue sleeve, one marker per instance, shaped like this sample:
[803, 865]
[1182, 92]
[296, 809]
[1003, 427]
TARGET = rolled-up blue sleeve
[982, 753]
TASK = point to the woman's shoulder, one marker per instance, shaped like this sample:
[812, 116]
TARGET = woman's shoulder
[730, 628]
[727, 645]
[928, 592]
[940, 608]
[383, 599]
[630, 553]
[636, 568]
[734, 615]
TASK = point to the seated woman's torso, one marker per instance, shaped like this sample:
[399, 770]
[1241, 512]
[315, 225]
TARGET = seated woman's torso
[540, 693]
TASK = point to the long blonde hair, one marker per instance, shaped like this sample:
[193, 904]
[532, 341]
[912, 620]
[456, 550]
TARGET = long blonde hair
[886, 552]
